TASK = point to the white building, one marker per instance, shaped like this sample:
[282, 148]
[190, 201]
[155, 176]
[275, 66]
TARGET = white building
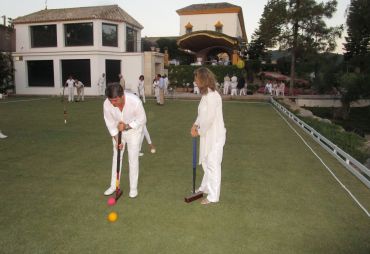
[83, 42]
[207, 30]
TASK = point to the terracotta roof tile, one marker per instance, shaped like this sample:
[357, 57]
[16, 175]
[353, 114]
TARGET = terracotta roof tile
[209, 6]
[105, 12]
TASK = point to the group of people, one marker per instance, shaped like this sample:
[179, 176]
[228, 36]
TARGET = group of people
[71, 84]
[160, 85]
[275, 88]
[124, 112]
[234, 86]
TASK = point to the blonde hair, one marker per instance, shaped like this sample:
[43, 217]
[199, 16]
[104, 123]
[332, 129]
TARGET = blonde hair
[206, 79]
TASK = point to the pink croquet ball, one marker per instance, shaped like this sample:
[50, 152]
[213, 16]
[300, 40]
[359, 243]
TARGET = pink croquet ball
[111, 201]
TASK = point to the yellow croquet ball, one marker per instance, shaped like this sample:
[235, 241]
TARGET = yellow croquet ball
[240, 64]
[112, 217]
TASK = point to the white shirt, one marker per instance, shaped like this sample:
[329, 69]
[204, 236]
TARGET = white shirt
[133, 114]
[210, 122]
[101, 81]
[141, 85]
[79, 84]
[70, 83]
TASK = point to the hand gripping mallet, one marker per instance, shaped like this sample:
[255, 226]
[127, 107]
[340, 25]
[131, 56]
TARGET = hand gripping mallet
[118, 189]
[199, 194]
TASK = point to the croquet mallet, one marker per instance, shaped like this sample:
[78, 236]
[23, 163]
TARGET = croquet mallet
[198, 195]
[118, 188]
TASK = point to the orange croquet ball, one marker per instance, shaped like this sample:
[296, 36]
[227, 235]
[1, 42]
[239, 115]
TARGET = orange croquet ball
[112, 217]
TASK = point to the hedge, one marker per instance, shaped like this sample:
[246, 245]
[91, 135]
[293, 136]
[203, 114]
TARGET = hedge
[179, 75]
[350, 142]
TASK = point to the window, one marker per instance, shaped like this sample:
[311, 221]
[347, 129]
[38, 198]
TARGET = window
[78, 69]
[40, 73]
[112, 69]
[189, 30]
[219, 29]
[110, 35]
[43, 36]
[79, 34]
[131, 39]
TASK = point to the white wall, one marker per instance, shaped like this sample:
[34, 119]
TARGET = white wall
[132, 64]
[230, 21]
[23, 38]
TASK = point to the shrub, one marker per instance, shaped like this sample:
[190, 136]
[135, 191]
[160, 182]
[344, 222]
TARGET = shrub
[349, 142]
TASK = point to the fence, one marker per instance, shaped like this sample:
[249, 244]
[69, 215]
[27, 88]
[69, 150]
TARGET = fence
[355, 167]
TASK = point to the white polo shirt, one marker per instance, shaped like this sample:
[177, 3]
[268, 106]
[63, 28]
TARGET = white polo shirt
[70, 83]
[133, 113]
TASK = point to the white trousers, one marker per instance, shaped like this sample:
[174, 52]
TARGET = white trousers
[156, 93]
[243, 91]
[145, 134]
[142, 94]
[211, 182]
[71, 93]
[234, 91]
[80, 93]
[101, 90]
[131, 139]
[226, 88]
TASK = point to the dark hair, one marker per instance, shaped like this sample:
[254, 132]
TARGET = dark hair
[141, 77]
[159, 75]
[114, 90]
[206, 79]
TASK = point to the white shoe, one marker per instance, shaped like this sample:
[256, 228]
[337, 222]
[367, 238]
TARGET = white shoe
[141, 154]
[133, 194]
[2, 135]
[109, 191]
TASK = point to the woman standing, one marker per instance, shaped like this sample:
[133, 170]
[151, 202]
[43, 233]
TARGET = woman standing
[209, 125]
[140, 88]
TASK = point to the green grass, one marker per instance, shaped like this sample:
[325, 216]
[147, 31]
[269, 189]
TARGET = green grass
[276, 197]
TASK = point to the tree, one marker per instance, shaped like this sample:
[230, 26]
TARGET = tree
[352, 86]
[298, 25]
[173, 50]
[6, 72]
[357, 44]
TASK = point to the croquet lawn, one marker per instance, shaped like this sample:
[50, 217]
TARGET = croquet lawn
[276, 196]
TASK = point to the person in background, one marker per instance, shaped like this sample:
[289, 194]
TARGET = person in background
[156, 89]
[140, 88]
[102, 84]
[122, 81]
[70, 83]
[242, 86]
[226, 84]
[209, 125]
[196, 88]
[166, 82]
[80, 90]
[161, 89]
[234, 85]
[148, 140]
